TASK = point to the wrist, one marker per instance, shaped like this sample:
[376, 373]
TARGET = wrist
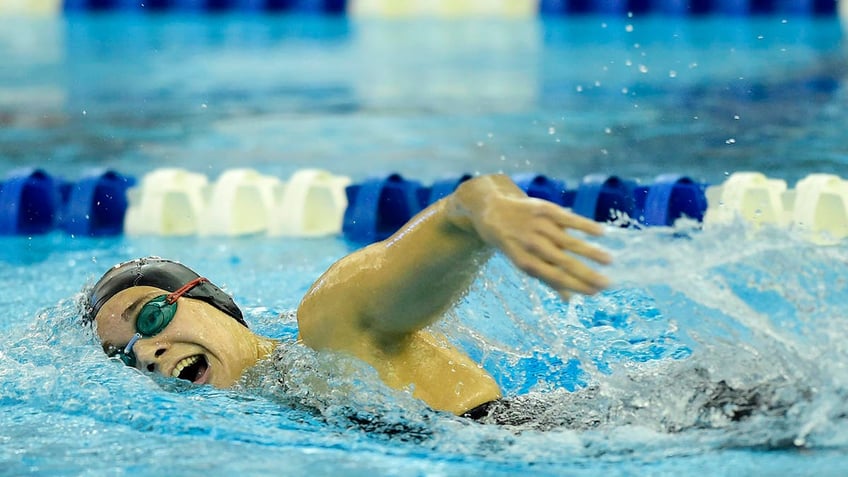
[473, 201]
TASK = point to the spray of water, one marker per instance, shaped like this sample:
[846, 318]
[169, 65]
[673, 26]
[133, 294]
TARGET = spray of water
[709, 340]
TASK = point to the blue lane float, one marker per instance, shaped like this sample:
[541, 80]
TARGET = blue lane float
[299, 6]
[96, 204]
[669, 198]
[604, 198]
[29, 202]
[34, 202]
[688, 7]
[380, 206]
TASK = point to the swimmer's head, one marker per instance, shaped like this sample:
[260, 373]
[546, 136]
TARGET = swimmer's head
[161, 273]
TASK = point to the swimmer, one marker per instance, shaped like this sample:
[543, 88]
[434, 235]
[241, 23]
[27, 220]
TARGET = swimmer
[375, 304]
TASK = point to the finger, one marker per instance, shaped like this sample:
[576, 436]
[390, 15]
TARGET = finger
[565, 218]
[552, 254]
[565, 241]
[555, 276]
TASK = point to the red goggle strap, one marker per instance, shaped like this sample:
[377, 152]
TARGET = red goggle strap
[173, 296]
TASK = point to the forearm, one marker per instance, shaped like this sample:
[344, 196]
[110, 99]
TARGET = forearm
[435, 257]
[400, 285]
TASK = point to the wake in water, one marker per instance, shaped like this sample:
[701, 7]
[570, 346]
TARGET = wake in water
[733, 339]
[717, 330]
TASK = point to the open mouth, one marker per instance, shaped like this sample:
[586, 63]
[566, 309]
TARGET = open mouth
[194, 369]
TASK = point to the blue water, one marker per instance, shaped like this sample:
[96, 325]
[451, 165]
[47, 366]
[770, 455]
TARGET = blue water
[635, 97]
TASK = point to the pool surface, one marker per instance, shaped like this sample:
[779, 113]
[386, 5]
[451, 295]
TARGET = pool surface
[636, 97]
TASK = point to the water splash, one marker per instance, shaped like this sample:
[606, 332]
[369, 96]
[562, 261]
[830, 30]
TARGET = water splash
[711, 345]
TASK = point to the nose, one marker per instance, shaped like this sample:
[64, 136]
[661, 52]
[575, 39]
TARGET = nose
[148, 353]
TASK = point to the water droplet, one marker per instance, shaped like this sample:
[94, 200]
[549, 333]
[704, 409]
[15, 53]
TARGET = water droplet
[490, 135]
[608, 130]
[624, 90]
[480, 143]
[84, 112]
[551, 130]
[203, 106]
[736, 117]
[643, 69]
[628, 28]
[579, 88]
[730, 141]
[672, 74]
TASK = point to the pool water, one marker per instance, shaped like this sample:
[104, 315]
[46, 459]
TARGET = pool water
[636, 97]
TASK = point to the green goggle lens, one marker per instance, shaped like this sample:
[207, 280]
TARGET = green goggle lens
[155, 316]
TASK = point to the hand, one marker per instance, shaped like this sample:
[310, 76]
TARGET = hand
[534, 235]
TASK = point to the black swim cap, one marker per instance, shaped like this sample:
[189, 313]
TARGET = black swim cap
[160, 273]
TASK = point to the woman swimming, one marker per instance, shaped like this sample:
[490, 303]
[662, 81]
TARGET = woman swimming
[375, 304]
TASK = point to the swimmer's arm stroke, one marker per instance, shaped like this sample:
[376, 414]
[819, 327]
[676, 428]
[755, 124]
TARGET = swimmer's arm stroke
[389, 290]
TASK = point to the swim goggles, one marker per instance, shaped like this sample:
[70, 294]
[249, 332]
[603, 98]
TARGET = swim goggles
[154, 317]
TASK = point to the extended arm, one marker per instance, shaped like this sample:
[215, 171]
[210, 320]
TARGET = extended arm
[391, 289]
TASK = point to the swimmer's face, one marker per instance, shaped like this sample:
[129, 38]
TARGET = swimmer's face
[201, 344]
